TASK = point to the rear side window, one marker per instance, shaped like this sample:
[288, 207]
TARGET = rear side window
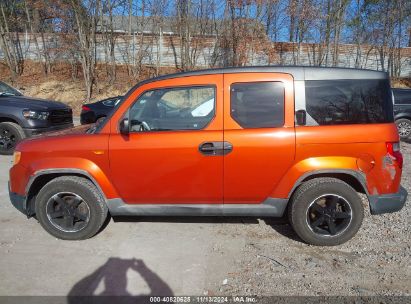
[359, 101]
[258, 104]
[402, 96]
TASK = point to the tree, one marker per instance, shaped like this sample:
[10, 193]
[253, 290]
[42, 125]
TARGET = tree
[10, 16]
[86, 22]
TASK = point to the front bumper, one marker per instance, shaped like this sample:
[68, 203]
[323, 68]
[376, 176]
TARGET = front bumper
[18, 201]
[36, 131]
[388, 203]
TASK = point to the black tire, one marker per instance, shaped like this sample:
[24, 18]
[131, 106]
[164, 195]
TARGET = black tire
[58, 201]
[311, 212]
[10, 135]
[404, 128]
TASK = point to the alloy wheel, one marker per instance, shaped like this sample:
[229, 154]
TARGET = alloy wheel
[7, 139]
[404, 129]
[329, 215]
[68, 212]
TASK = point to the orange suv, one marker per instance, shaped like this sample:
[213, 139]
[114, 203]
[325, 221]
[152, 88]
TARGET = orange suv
[257, 141]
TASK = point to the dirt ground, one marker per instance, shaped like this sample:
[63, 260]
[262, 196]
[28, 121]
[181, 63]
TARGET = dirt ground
[203, 256]
[62, 85]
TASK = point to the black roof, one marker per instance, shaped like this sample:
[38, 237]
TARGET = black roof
[299, 73]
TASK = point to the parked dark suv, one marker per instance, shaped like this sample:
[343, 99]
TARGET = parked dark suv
[402, 111]
[22, 116]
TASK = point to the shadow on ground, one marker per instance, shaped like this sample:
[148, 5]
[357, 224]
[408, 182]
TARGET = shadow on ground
[280, 225]
[113, 275]
[283, 227]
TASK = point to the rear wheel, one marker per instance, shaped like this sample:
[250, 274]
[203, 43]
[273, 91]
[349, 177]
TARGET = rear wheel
[326, 212]
[10, 135]
[70, 208]
[404, 127]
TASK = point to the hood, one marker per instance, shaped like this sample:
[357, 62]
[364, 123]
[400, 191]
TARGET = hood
[70, 131]
[31, 103]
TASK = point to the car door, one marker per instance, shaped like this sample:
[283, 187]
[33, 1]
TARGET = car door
[170, 155]
[259, 124]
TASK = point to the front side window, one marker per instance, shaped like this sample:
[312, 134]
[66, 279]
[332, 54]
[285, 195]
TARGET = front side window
[258, 104]
[185, 108]
[359, 101]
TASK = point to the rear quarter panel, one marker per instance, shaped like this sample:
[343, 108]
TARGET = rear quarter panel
[360, 148]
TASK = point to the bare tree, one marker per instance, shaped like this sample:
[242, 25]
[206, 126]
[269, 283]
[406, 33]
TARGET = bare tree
[108, 38]
[10, 41]
[148, 33]
[86, 21]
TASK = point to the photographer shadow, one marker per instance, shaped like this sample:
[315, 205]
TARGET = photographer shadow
[113, 275]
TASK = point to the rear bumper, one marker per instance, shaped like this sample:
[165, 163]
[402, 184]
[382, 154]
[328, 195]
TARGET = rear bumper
[388, 203]
[35, 131]
[18, 201]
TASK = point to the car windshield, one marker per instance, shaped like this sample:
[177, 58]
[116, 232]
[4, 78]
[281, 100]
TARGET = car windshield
[112, 102]
[6, 90]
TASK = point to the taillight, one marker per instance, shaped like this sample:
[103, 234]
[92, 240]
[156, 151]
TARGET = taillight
[85, 108]
[393, 149]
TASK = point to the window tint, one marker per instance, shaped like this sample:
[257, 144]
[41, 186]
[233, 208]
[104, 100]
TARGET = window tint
[402, 96]
[173, 109]
[258, 104]
[331, 102]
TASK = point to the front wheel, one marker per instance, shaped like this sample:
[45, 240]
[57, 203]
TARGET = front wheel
[10, 135]
[70, 208]
[326, 212]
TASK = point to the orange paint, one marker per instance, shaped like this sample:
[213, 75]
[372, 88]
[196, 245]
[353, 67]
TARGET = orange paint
[166, 166]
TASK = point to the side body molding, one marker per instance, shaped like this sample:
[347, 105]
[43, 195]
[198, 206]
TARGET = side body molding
[271, 207]
[358, 175]
[76, 166]
[326, 166]
[63, 171]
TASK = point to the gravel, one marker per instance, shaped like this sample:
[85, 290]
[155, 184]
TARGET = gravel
[375, 262]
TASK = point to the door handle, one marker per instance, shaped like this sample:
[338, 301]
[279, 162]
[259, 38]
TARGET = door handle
[228, 147]
[207, 148]
[214, 148]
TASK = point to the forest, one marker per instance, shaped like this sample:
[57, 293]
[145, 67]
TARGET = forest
[89, 34]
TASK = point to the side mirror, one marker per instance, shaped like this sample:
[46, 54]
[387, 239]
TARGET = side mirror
[301, 117]
[124, 126]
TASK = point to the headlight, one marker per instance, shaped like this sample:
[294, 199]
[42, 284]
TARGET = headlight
[30, 114]
[16, 157]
